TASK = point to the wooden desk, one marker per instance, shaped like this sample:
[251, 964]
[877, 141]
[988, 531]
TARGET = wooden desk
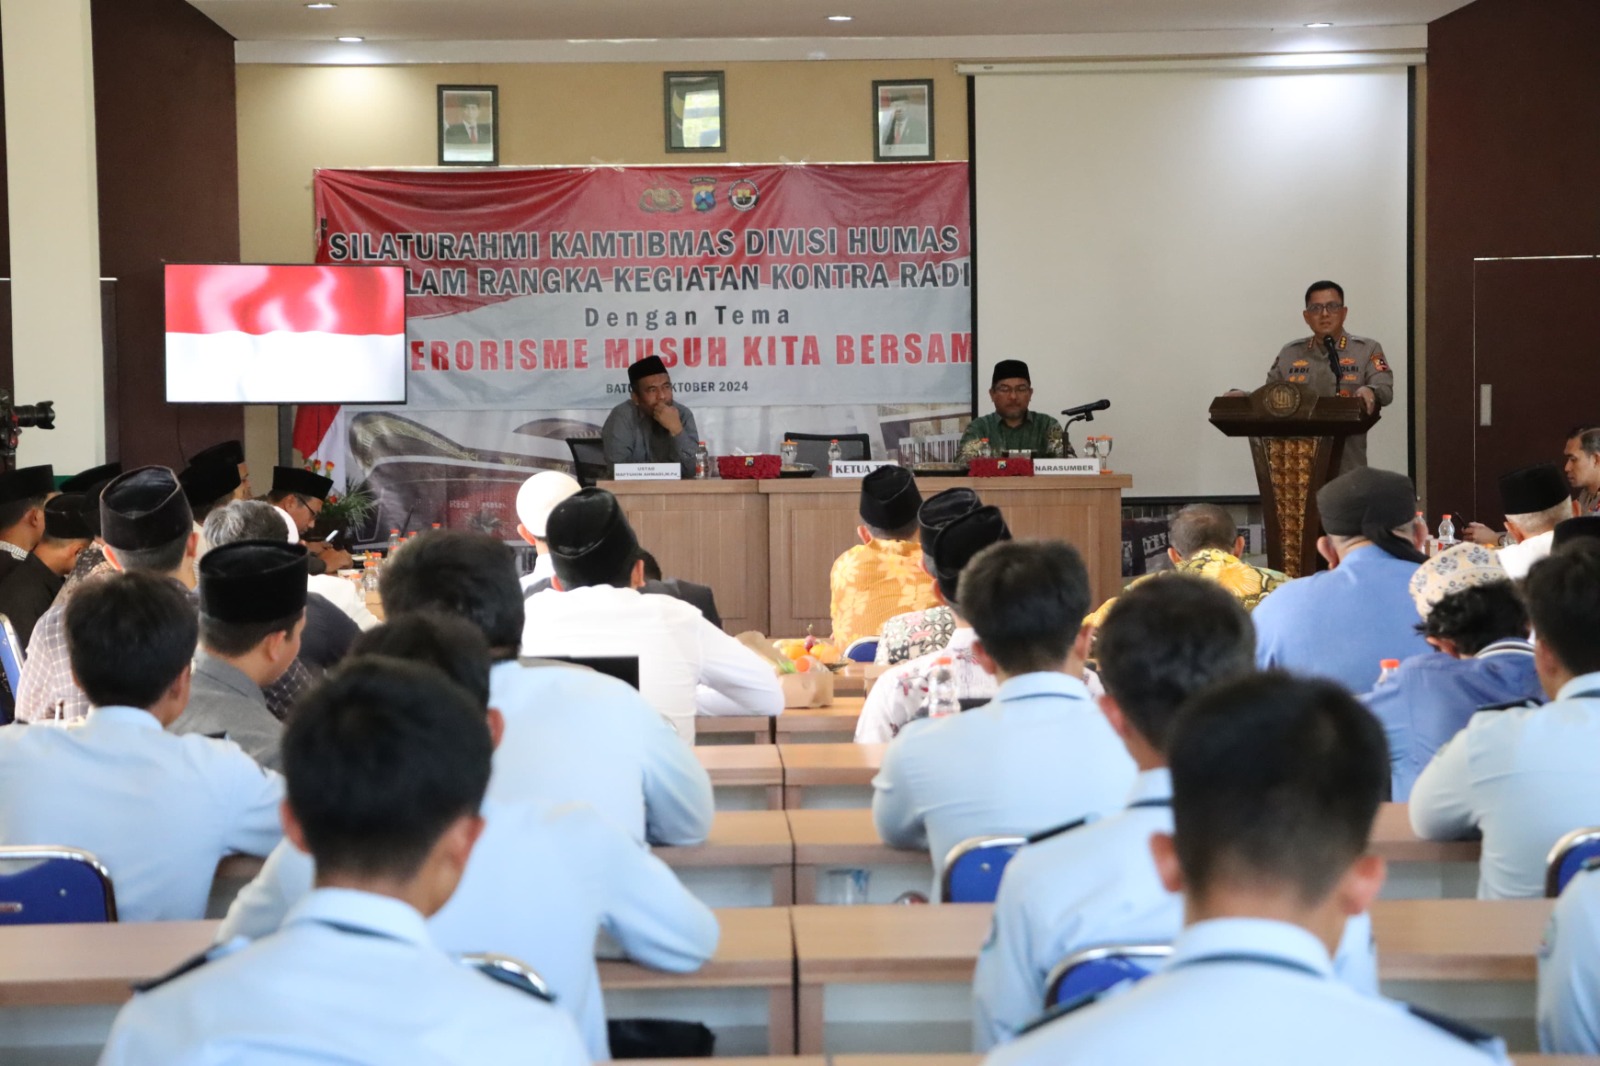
[745, 765]
[837, 721]
[1393, 839]
[805, 765]
[825, 839]
[713, 532]
[856, 679]
[79, 965]
[743, 838]
[756, 950]
[1433, 940]
[751, 728]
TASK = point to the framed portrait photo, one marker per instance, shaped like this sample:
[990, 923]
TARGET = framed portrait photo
[694, 111]
[469, 125]
[902, 120]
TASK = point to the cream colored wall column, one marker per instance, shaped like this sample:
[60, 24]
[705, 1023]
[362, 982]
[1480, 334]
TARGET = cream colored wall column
[55, 227]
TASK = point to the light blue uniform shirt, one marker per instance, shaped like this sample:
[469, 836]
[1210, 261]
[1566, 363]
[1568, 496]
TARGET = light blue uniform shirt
[1242, 992]
[351, 978]
[1431, 696]
[579, 736]
[1569, 971]
[1524, 777]
[1038, 755]
[157, 810]
[1340, 624]
[1094, 885]
[542, 881]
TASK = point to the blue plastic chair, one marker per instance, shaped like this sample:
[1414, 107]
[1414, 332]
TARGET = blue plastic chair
[11, 660]
[862, 650]
[1570, 855]
[1095, 970]
[972, 869]
[46, 885]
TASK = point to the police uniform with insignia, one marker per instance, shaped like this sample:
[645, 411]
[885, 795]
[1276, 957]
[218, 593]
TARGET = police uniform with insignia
[1524, 777]
[351, 977]
[543, 879]
[1242, 992]
[1095, 883]
[1361, 364]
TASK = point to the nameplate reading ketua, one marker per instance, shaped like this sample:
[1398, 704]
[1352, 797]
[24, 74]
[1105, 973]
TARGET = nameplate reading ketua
[856, 467]
[1052, 467]
[648, 472]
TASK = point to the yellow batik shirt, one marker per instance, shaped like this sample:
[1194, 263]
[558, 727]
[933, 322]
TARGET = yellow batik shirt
[871, 583]
[1248, 584]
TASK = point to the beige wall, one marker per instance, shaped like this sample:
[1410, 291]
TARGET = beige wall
[293, 119]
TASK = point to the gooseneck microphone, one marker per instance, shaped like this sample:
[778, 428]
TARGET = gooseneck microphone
[1332, 348]
[1086, 411]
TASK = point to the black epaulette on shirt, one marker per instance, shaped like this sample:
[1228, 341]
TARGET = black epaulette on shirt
[1510, 705]
[1046, 834]
[211, 954]
[1061, 1010]
[512, 978]
[1478, 1038]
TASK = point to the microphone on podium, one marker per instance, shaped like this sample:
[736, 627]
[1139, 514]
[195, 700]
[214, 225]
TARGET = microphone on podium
[1086, 411]
[1332, 349]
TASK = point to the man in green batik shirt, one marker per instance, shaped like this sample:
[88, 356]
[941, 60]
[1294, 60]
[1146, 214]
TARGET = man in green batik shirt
[1012, 427]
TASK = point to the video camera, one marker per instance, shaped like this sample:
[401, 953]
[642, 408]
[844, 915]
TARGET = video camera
[16, 417]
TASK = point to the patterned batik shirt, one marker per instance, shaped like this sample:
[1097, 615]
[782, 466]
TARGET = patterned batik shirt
[906, 636]
[871, 583]
[899, 695]
[1248, 584]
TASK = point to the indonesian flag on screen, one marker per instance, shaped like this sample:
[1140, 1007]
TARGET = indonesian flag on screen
[285, 334]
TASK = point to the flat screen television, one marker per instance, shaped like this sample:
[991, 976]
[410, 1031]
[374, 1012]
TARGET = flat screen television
[259, 333]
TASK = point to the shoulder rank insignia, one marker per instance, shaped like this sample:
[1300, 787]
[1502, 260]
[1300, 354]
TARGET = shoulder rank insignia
[1046, 834]
[211, 954]
[1460, 1030]
[1378, 362]
[1509, 705]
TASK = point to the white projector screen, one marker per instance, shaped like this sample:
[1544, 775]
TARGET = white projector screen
[1147, 238]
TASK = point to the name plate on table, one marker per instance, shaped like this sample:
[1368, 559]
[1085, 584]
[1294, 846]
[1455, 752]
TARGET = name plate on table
[648, 472]
[856, 467]
[1053, 467]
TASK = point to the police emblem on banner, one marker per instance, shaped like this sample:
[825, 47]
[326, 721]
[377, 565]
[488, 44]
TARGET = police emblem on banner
[703, 193]
[653, 201]
[743, 194]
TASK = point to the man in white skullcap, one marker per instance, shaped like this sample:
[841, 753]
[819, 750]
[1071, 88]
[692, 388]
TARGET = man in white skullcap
[536, 498]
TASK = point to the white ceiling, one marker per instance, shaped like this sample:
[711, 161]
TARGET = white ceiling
[611, 20]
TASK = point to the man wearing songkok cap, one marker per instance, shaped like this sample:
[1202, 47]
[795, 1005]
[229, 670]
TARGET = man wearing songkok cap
[209, 485]
[1204, 541]
[884, 575]
[252, 610]
[1584, 527]
[648, 427]
[1523, 777]
[914, 633]
[22, 496]
[900, 694]
[159, 811]
[1040, 753]
[1342, 623]
[1012, 427]
[90, 483]
[301, 494]
[1534, 500]
[687, 666]
[226, 453]
[28, 591]
[536, 498]
[1478, 626]
[145, 525]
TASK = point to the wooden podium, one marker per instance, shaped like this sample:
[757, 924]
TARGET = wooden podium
[1297, 441]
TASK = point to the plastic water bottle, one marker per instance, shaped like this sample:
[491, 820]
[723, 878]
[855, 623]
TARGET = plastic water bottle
[984, 451]
[1386, 669]
[835, 453]
[1447, 532]
[394, 541]
[789, 452]
[702, 462]
[942, 699]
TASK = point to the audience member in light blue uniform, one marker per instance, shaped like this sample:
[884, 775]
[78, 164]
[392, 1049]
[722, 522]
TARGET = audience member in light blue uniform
[1483, 660]
[1525, 777]
[1097, 884]
[1275, 785]
[570, 734]
[543, 878]
[386, 765]
[1340, 624]
[1569, 971]
[1041, 753]
[157, 810]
